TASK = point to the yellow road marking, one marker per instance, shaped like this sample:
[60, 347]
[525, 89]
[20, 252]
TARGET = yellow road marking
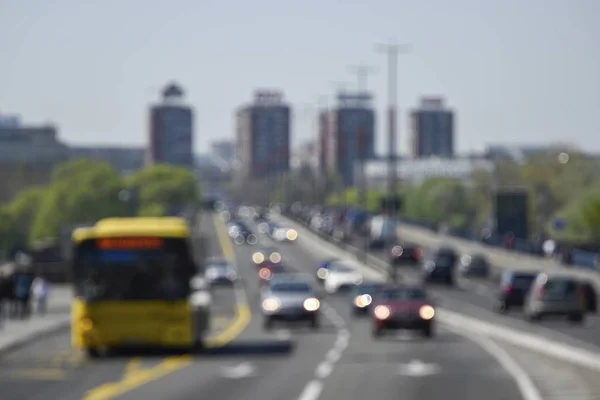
[53, 374]
[139, 377]
[132, 366]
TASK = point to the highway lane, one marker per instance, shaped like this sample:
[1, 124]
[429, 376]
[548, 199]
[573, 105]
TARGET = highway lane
[253, 369]
[477, 297]
[401, 366]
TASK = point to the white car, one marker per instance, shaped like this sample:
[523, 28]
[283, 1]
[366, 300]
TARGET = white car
[341, 276]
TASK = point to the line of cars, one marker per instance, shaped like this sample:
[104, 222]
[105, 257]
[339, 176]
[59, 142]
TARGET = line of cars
[539, 294]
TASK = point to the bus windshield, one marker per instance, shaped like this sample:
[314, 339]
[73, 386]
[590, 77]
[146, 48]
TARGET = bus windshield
[119, 274]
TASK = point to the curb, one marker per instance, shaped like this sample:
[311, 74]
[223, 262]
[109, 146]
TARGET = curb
[27, 339]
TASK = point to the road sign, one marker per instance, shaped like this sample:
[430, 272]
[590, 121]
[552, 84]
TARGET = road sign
[559, 224]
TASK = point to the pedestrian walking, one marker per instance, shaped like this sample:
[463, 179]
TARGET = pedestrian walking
[40, 290]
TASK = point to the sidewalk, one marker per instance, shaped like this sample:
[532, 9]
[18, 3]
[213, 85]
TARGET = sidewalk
[15, 333]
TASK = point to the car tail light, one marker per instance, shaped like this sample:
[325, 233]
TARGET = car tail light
[417, 253]
[539, 294]
[508, 289]
[264, 273]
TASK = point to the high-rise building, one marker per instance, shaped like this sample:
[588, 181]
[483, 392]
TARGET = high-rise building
[432, 129]
[171, 130]
[347, 135]
[262, 144]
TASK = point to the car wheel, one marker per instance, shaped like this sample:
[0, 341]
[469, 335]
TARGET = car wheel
[501, 307]
[534, 317]
[314, 322]
[377, 332]
[428, 331]
[268, 324]
[576, 318]
[92, 352]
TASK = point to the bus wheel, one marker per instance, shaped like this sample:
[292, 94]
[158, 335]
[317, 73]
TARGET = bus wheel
[92, 352]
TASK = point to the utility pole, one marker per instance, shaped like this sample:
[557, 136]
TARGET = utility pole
[392, 50]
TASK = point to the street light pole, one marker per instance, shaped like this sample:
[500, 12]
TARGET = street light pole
[392, 50]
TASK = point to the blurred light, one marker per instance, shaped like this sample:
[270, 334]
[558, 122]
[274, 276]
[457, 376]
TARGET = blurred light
[311, 304]
[363, 300]
[264, 273]
[397, 251]
[322, 273]
[252, 239]
[212, 274]
[275, 258]
[563, 158]
[258, 258]
[426, 312]
[291, 234]
[231, 275]
[382, 312]
[271, 304]
[466, 259]
[239, 239]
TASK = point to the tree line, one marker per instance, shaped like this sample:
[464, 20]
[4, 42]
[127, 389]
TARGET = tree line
[84, 191]
[559, 187]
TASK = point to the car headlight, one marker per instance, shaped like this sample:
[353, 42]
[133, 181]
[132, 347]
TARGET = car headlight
[271, 304]
[231, 275]
[426, 312]
[363, 300]
[430, 266]
[252, 239]
[212, 274]
[311, 304]
[258, 258]
[382, 312]
[275, 258]
[239, 239]
[322, 273]
[291, 235]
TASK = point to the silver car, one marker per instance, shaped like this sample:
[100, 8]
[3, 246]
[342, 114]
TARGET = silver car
[556, 295]
[220, 271]
[289, 298]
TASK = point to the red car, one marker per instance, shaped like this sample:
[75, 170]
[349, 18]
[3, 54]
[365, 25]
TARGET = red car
[397, 307]
[266, 273]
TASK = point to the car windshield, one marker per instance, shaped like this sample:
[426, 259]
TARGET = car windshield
[341, 268]
[559, 289]
[367, 289]
[523, 282]
[291, 287]
[404, 294]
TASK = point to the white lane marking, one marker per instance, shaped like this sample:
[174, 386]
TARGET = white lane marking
[334, 355]
[526, 386]
[312, 391]
[283, 334]
[341, 342]
[324, 370]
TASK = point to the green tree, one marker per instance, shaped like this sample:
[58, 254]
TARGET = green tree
[582, 219]
[162, 186]
[81, 191]
[439, 200]
[24, 209]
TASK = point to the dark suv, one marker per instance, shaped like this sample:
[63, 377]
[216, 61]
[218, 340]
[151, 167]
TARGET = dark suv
[514, 286]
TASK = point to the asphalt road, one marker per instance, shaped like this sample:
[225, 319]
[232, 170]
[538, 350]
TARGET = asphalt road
[339, 361]
[477, 296]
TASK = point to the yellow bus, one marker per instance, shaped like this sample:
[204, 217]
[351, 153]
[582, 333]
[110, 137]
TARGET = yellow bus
[132, 286]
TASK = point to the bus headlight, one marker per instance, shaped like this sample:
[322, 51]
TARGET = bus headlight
[382, 312]
[311, 304]
[258, 258]
[275, 258]
[271, 304]
[86, 324]
[426, 312]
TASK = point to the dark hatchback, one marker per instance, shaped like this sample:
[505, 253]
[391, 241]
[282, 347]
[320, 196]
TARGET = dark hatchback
[514, 287]
[441, 266]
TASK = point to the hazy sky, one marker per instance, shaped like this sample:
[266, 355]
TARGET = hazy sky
[514, 70]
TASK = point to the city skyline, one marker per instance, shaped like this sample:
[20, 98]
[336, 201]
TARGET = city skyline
[506, 81]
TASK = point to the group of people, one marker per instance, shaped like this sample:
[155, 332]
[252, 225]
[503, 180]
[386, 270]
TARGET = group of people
[18, 290]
